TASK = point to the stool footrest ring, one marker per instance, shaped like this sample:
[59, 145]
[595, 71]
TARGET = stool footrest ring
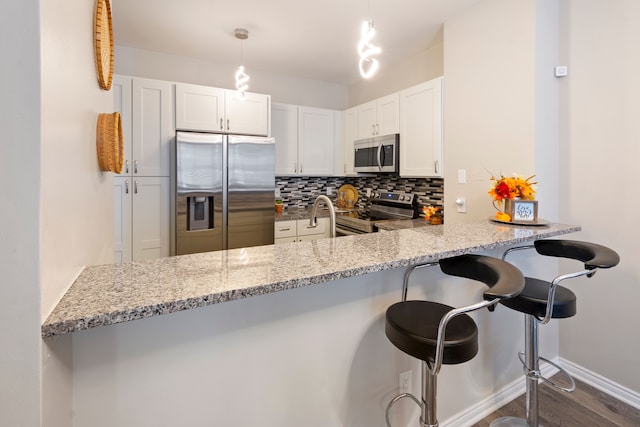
[396, 399]
[536, 374]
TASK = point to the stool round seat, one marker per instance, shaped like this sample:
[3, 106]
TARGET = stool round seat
[534, 299]
[412, 326]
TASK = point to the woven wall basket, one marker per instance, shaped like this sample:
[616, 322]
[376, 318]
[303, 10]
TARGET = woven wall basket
[109, 142]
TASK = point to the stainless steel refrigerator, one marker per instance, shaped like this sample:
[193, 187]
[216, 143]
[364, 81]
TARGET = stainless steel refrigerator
[224, 192]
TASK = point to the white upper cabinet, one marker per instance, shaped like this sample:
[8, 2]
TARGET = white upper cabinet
[421, 130]
[250, 116]
[199, 108]
[209, 109]
[307, 140]
[379, 117]
[153, 128]
[316, 141]
[349, 135]
[284, 128]
[146, 111]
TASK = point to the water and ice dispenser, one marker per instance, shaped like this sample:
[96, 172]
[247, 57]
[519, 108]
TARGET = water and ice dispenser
[200, 213]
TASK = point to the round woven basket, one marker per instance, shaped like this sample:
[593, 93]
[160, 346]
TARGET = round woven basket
[109, 142]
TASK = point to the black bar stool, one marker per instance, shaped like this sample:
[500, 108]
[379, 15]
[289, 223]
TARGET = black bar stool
[436, 333]
[542, 301]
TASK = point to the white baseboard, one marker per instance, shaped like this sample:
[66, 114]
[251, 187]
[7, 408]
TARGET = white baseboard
[603, 384]
[485, 407]
[490, 404]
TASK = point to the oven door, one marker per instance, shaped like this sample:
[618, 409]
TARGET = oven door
[342, 230]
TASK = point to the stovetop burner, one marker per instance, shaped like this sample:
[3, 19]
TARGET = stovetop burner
[393, 205]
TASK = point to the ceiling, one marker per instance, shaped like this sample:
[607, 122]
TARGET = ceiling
[303, 38]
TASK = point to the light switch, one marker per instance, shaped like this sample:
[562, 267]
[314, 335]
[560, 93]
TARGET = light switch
[461, 205]
[462, 176]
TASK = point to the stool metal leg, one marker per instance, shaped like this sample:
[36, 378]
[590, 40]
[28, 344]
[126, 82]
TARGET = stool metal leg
[532, 368]
[429, 383]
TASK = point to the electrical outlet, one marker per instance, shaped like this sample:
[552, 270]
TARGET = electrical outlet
[329, 191]
[277, 193]
[368, 190]
[404, 382]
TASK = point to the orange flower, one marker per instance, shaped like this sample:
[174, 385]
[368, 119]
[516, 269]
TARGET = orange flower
[512, 187]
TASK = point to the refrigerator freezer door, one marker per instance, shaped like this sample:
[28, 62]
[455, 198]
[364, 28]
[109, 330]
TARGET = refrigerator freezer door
[251, 185]
[199, 193]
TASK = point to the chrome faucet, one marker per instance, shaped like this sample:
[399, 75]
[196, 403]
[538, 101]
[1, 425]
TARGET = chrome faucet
[332, 213]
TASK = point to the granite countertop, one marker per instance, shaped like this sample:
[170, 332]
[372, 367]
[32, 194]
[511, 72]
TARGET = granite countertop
[402, 224]
[115, 293]
[295, 214]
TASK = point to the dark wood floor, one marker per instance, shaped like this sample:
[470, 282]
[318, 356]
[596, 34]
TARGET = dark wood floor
[585, 407]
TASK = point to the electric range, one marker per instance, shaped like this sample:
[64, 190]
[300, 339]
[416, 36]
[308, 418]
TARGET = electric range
[385, 206]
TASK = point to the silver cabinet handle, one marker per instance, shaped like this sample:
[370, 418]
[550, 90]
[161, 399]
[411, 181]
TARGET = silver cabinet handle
[437, 166]
[300, 167]
[373, 129]
[135, 187]
[295, 168]
[345, 168]
[135, 166]
[284, 229]
[126, 166]
[126, 187]
[221, 127]
[228, 124]
[377, 128]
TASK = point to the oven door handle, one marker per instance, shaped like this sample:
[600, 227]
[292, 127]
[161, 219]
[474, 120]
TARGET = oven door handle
[345, 232]
[379, 156]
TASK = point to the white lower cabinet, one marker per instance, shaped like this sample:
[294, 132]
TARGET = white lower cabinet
[300, 231]
[142, 221]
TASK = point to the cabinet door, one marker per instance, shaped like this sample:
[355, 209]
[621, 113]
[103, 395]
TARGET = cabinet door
[349, 134]
[285, 229]
[150, 218]
[153, 128]
[421, 130]
[316, 141]
[367, 120]
[199, 108]
[388, 113]
[249, 116]
[121, 89]
[122, 193]
[284, 128]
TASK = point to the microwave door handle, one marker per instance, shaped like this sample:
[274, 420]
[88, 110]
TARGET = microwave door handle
[379, 155]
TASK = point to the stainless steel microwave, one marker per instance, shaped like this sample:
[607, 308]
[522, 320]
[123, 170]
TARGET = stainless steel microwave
[377, 154]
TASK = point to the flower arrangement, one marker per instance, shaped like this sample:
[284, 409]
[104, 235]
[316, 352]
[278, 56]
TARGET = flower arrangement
[430, 211]
[510, 188]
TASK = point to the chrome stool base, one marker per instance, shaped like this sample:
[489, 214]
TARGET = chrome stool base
[509, 422]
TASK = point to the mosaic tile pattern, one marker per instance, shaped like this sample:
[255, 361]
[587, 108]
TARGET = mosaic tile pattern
[300, 192]
[108, 294]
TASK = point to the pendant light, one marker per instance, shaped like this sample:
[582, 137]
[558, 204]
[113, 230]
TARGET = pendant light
[241, 77]
[368, 65]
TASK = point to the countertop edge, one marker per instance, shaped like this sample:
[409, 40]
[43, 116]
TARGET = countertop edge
[71, 324]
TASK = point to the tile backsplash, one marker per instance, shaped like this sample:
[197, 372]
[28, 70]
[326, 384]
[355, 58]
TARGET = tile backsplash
[300, 192]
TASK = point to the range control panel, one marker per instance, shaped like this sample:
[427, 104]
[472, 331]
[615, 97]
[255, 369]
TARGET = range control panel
[398, 198]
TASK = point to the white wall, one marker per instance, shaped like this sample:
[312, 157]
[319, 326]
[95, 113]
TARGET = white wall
[600, 152]
[421, 67]
[57, 207]
[313, 356]
[20, 214]
[490, 82]
[282, 88]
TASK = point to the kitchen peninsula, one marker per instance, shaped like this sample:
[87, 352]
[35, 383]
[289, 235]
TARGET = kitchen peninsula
[109, 294]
